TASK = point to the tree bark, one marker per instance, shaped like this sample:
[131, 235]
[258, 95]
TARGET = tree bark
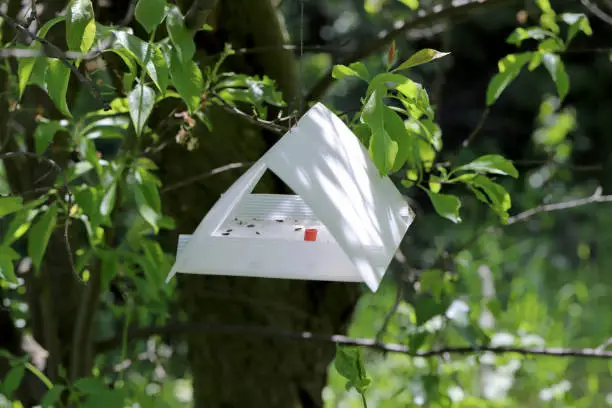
[229, 371]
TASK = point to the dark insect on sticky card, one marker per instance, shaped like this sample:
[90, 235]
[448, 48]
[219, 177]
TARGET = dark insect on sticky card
[257, 232]
[279, 220]
[250, 225]
[225, 233]
[229, 230]
[298, 228]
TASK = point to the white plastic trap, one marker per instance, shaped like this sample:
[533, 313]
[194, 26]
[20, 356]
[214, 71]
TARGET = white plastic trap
[345, 224]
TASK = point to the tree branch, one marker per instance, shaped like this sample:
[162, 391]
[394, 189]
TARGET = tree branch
[177, 328]
[596, 11]
[595, 198]
[423, 19]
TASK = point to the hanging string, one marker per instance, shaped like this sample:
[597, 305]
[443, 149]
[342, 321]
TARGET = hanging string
[300, 62]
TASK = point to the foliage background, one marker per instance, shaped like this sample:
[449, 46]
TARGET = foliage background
[540, 282]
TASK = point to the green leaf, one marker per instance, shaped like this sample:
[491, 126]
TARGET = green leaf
[52, 396]
[549, 21]
[80, 25]
[150, 13]
[90, 385]
[535, 62]
[24, 71]
[156, 66]
[556, 69]
[40, 233]
[26, 66]
[108, 200]
[349, 364]
[384, 79]
[509, 68]
[181, 37]
[147, 198]
[545, 6]
[9, 205]
[44, 133]
[421, 57]
[383, 149]
[141, 100]
[492, 194]
[56, 82]
[188, 81]
[406, 144]
[491, 163]
[446, 205]
[363, 133]
[412, 4]
[108, 398]
[7, 270]
[552, 45]
[357, 69]
[12, 379]
[577, 22]
[534, 33]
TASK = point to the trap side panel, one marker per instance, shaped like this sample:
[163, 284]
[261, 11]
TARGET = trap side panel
[269, 259]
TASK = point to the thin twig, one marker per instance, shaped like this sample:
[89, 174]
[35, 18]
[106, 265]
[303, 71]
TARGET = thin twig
[60, 171]
[423, 19]
[178, 328]
[468, 141]
[266, 124]
[194, 179]
[597, 197]
[573, 167]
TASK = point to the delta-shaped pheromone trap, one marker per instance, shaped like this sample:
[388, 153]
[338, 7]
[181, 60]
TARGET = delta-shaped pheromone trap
[344, 224]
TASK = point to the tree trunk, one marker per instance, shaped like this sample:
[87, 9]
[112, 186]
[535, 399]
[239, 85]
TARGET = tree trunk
[230, 370]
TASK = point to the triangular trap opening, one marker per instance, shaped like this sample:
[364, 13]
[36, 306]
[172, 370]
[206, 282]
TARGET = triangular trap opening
[271, 182]
[283, 216]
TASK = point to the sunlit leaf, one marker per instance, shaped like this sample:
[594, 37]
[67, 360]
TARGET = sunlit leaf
[80, 25]
[412, 4]
[156, 66]
[383, 149]
[556, 69]
[577, 22]
[356, 69]
[446, 205]
[491, 163]
[56, 82]
[421, 57]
